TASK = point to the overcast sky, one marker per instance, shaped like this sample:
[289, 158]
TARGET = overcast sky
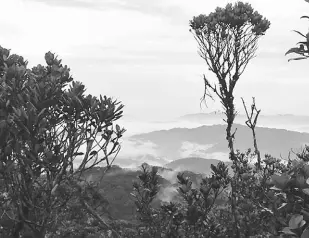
[142, 52]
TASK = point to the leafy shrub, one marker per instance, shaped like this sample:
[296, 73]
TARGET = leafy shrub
[45, 121]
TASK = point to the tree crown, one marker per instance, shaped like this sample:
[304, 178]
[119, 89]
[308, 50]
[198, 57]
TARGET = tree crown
[232, 16]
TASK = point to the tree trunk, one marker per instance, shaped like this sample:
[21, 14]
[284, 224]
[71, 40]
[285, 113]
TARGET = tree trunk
[257, 152]
[230, 114]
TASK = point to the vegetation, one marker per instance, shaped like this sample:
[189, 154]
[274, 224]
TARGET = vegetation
[265, 199]
[45, 120]
[303, 49]
[227, 40]
[53, 137]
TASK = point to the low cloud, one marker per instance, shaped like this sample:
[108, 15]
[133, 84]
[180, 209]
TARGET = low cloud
[136, 148]
[167, 194]
[189, 149]
[134, 152]
[170, 176]
[218, 156]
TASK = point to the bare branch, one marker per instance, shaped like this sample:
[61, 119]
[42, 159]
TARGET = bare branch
[251, 124]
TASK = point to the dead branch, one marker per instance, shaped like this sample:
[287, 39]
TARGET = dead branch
[251, 124]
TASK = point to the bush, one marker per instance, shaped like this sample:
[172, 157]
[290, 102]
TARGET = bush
[45, 121]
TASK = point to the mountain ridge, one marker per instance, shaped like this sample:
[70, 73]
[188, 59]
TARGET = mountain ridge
[194, 164]
[270, 120]
[205, 140]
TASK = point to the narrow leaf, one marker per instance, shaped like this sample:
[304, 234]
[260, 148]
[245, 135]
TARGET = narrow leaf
[275, 188]
[287, 231]
[302, 42]
[300, 33]
[293, 50]
[41, 112]
[78, 153]
[299, 58]
[283, 205]
[117, 128]
[94, 152]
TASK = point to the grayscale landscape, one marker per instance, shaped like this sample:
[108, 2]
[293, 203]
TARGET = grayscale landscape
[157, 119]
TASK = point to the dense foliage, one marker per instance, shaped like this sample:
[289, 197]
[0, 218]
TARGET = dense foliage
[50, 133]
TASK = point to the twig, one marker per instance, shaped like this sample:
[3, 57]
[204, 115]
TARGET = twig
[252, 125]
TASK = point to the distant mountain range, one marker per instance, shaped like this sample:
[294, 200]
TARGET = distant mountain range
[286, 118]
[191, 150]
[202, 135]
[194, 164]
[286, 121]
[209, 141]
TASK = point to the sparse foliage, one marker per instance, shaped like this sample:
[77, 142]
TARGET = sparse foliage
[227, 40]
[251, 123]
[303, 49]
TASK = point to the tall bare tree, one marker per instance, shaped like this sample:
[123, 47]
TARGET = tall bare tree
[227, 40]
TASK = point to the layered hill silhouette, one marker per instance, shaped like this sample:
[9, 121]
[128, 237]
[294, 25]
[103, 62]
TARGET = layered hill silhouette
[194, 164]
[191, 151]
[275, 121]
[209, 141]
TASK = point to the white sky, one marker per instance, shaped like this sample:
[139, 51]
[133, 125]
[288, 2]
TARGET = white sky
[142, 52]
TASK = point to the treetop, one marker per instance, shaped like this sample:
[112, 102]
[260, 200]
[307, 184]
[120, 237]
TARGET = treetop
[233, 16]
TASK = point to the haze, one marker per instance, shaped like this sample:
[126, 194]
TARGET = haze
[142, 52]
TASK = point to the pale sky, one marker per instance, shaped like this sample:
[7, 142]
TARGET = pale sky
[142, 53]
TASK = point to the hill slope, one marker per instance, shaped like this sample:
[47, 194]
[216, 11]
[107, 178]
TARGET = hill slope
[117, 186]
[209, 141]
[276, 121]
[194, 164]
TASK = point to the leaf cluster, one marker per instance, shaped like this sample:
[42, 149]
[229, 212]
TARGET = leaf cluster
[51, 131]
[233, 16]
[303, 49]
